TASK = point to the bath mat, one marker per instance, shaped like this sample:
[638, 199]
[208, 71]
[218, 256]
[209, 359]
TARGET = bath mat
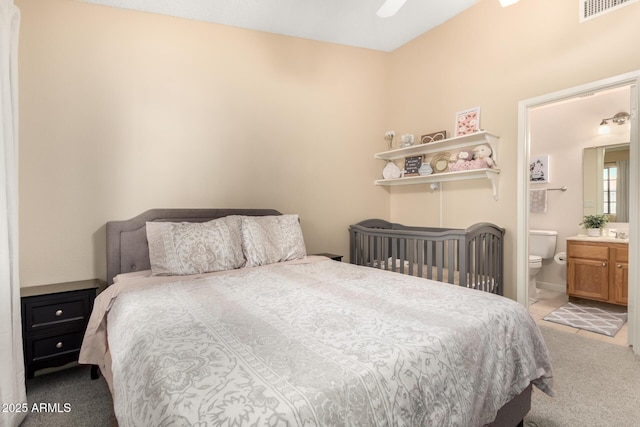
[601, 320]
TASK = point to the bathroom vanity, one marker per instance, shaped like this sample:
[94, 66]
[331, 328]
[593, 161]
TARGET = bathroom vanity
[598, 269]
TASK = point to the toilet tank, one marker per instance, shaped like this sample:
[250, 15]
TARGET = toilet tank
[542, 243]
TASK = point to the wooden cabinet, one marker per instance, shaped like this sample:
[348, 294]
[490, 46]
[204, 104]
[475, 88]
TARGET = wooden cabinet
[446, 145]
[54, 319]
[598, 271]
[621, 276]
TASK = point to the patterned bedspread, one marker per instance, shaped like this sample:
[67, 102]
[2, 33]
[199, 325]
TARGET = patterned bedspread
[318, 343]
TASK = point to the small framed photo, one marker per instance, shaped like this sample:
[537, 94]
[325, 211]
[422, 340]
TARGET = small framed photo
[467, 121]
[432, 137]
[539, 169]
[412, 165]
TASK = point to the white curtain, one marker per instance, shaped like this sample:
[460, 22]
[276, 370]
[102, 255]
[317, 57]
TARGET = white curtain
[12, 385]
[622, 191]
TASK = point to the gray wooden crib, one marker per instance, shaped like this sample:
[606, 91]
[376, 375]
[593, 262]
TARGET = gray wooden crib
[471, 257]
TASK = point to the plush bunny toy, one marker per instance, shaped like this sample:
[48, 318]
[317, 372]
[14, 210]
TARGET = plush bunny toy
[483, 152]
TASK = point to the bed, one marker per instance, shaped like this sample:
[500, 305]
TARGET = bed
[471, 257]
[303, 341]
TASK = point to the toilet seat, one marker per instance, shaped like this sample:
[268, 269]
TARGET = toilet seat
[535, 261]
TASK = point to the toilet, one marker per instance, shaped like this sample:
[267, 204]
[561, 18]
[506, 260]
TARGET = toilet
[542, 245]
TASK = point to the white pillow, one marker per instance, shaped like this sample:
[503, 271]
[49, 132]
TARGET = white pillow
[191, 248]
[271, 239]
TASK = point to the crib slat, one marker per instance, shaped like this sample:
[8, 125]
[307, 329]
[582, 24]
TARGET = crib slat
[394, 253]
[372, 252]
[430, 256]
[410, 259]
[451, 263]
[487, 261]
[439, 260]
[462, 264]
[420, 256]
[402, 256]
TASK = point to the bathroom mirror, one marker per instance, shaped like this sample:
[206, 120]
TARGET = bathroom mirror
[605, 174]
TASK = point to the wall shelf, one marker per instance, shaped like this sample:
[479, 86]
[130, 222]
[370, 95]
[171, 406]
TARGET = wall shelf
[490, 174]
[450, 144]
[477, 138]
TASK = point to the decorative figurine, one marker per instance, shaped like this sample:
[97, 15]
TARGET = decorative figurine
[425, 169]
[388, 135]
[407, 140]
[391, 171]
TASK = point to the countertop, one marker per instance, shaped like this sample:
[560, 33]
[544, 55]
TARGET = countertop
[603, 239]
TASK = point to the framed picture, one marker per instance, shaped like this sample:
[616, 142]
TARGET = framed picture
[467, 121]
[435, 136]
[539, 169]
[412, 165]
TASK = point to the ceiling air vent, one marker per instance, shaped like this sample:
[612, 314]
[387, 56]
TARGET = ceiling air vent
[590, 9]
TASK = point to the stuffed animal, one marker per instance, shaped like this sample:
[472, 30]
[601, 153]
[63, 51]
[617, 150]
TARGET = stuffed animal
[466, 155]
[463, 161]
[483, 152]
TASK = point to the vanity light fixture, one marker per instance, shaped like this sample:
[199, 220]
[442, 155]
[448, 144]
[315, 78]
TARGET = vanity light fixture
[619, 119]
[505, 3]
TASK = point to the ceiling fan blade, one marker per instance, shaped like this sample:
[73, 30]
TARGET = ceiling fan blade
[389, 8]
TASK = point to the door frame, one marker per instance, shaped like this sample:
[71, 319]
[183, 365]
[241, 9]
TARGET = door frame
[632, 80]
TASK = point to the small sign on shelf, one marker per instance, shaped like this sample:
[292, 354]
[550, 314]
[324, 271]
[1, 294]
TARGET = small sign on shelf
[433, 137]
[412, 165]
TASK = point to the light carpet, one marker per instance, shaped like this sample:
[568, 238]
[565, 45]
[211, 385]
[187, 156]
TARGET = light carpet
[83, 402]
[599, 319]
[596, 384]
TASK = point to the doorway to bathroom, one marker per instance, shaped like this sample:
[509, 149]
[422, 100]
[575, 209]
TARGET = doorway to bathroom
[555, 130]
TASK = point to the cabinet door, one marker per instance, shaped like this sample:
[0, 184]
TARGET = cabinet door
[588, 278]
[620, 275]
[621, 284]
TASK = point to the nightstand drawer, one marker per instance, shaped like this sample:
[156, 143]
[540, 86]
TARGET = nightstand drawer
[48, 313]
[45, 348]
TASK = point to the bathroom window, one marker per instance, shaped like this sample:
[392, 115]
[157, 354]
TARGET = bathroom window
[610, 174]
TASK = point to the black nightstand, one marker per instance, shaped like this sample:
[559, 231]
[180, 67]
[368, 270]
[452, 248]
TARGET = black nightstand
[332, 256]
[54, 319]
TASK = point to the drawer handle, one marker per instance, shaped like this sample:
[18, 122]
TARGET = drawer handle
[619, 266]
[604, 264]
[58, 313]
[59, 345]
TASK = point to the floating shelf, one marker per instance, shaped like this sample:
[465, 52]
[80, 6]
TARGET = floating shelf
[477, 138]
[474, 139]
[490, 174]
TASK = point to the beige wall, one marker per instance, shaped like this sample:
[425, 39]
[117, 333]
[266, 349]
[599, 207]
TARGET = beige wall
[494, 57]
[123, 111]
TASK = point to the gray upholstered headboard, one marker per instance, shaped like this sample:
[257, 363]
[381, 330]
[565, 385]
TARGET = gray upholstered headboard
[127, 246]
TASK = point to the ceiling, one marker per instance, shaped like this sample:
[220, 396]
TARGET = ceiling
[346, 22]
[578, 120]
